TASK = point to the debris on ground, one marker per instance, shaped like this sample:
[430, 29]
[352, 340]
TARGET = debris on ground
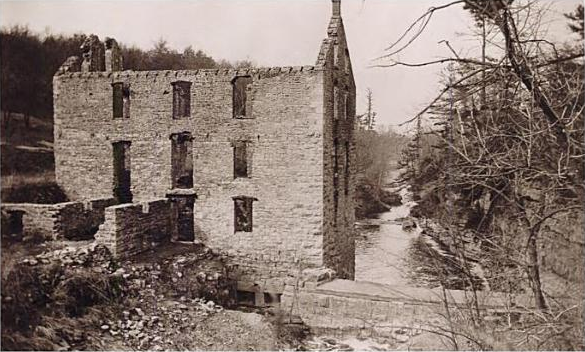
[79, 297]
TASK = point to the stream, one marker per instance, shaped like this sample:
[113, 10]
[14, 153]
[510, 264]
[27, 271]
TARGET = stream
[389, 254]
[382, 245]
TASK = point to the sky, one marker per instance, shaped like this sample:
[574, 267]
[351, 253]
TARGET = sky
[284, 33]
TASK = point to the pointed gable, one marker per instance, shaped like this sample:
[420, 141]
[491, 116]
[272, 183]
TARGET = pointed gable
[334, 52]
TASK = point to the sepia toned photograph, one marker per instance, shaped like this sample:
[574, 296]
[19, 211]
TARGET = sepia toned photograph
[292, 175]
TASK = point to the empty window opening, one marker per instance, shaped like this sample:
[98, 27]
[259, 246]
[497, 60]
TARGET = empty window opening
[14, 225]
[240, 159]
[346, 168]
[243, 213]
[246, 298]
[120, 100]
[122, 179]
[181, 99]
[272, 299]
[239, 97]
[335, 205]
[182, 160]
[336, 55]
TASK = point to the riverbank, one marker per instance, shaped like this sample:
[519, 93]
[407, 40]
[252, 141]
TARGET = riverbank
[372, 200]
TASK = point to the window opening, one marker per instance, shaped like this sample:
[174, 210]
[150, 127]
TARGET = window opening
[181, 99]
[240, 159]
[239, 97]
[243, 213]
[182, 160]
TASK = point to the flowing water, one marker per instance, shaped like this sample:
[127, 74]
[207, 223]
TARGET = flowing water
[389, 254]
[382, 245]
[383, 250]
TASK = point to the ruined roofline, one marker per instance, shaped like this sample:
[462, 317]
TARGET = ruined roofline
[326, 46]
[264, 71]
[332, 31]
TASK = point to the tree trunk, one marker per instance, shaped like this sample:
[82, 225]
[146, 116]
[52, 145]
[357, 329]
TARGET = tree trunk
[533, 267]
[534, 273]
[526, 76]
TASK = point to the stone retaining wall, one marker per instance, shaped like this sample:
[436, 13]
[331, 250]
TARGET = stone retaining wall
[69, 220]
[376, 309]
[133, 228]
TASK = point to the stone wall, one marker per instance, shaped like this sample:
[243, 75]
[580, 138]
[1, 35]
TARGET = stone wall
[284, 156]
[130, 228]
[338, 126]
[70, 220]
[283, 131]
[289, 132]
[376, 309]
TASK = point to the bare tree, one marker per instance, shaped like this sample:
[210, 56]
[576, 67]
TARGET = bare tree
[510, 167]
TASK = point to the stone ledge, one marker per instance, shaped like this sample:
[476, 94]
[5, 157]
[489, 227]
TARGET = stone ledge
[417, 295]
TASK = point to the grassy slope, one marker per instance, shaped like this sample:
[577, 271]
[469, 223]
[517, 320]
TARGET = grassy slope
[28, 162]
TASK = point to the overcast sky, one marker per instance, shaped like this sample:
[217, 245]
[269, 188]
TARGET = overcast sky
[281, 33]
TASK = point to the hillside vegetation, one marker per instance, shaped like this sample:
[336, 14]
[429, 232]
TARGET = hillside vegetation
[500, 168]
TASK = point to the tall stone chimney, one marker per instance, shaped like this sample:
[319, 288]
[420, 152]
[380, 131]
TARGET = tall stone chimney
[336, 8]
[113, 55]
[92, 53]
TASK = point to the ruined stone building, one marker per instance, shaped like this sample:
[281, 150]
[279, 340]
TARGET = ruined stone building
[257, 164]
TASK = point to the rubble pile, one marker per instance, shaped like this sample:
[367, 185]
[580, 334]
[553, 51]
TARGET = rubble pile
[85, 255]
[149, 302]
[191, 275]
[156, 324]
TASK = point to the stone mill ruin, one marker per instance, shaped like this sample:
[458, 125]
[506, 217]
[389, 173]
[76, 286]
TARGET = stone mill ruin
[257, 164]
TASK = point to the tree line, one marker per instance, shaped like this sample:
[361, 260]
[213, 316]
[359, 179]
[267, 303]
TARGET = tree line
[378, 151]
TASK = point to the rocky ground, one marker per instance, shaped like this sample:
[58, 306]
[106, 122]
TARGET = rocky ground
[75, 296]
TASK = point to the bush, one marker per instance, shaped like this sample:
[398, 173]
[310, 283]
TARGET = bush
[44, 193]
[46, 307]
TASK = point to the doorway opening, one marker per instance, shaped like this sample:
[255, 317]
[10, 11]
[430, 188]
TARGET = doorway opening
[122, 178]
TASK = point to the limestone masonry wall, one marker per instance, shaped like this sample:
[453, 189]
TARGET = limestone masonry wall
[283, 132]
[70, 220]
[302, 205]
[284, 153]
[133, 228]
[85, 129]
[339, 143]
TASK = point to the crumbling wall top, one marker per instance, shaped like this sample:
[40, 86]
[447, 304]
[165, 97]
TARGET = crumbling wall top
[92, 53]
[264, 72]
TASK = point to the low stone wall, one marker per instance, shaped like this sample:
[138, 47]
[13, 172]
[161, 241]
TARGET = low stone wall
[373, 309]
[133, 228]
[69, 220]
